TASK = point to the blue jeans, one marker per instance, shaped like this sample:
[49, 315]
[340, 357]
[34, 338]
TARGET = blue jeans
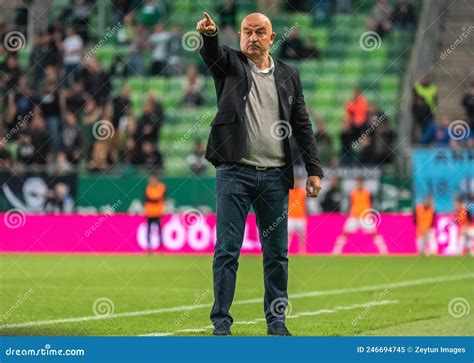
[239, 187]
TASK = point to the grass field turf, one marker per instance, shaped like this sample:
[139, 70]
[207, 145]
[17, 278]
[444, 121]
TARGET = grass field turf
[65, 287]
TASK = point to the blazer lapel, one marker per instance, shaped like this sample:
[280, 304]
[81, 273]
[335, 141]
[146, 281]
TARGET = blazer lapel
[282, 92]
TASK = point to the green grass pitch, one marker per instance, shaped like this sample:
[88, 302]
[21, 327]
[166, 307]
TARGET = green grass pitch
[171, 295]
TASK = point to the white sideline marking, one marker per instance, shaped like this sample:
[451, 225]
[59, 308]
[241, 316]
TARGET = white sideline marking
[393, 285]
[291, 316]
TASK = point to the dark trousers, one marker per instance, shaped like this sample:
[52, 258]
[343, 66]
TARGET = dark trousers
[239, 187]
[150, 221]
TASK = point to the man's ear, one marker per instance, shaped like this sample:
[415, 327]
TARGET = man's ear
[272, 37]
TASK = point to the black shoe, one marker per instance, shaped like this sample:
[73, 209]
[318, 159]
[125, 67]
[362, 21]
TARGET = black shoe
[278, 328]
[221, 329]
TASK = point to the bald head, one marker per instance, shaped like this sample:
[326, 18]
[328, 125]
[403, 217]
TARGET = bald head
[256, 19]
[256, 36]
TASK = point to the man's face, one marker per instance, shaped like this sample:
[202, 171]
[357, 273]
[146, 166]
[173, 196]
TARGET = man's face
[256, 35]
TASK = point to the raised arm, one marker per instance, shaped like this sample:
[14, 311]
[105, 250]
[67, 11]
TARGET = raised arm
[214, 56]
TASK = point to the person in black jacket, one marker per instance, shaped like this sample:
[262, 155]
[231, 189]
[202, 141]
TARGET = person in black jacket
[260, 109]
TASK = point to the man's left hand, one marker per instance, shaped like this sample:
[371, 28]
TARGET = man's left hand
[313, 186]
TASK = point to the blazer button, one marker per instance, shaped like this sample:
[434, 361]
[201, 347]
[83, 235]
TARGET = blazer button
[245, 97]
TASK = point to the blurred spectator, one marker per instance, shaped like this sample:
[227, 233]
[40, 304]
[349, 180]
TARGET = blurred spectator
[136, 63]
[58, 200]
[196, 160]
[51, 111]
[5, 156]
[227, 14]
[381, 18]
[71, 139]
[125, 33]
[192, 87]
[75, 98]
[12, 72]
[159, 40]
[356, 112]
[384, 140]
[468, 105]
[120, 107]
[92, 114]
[442, 137]
[72, 53]
[96, 81]
[175, 52]
[425, 95]
[324, 142]
[148, 156]
[347, 138]
[343, 6]
[293, 47]
[332, 200]
[34, 144]
[403, 15]
[44, 53]
[152, 12]
[80, 11]
[149, 124]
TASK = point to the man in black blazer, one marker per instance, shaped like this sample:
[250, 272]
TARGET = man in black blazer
[260, 108]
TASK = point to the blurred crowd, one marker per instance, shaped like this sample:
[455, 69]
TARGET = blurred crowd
[434, 129]
[60, 112]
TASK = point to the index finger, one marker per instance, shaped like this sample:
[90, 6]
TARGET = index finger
[206, 15]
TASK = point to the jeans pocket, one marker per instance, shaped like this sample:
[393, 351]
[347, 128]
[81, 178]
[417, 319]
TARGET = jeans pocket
[225, 167]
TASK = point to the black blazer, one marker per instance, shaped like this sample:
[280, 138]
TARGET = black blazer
[233, 80]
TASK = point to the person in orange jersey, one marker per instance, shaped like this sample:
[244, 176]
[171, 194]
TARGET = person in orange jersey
[154, 206]
[424, 222]
[361, 216]
[297, 214]
[462, 219]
